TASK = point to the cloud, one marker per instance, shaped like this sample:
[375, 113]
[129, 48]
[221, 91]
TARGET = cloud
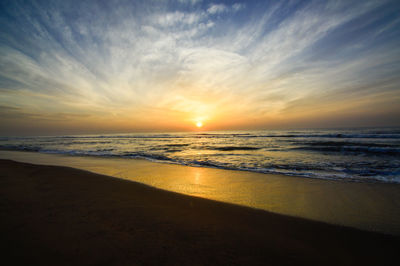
[221, 8]
[191, 2]
[172, 19]
[217, 8]
[238, 6]
[132, 62]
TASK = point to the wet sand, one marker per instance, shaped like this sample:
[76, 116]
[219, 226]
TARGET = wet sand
[52, 215]
[366, 206]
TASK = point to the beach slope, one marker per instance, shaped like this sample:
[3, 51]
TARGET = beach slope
[53, 215]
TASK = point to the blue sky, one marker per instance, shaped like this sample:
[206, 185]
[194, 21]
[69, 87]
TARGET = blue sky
[110, 66]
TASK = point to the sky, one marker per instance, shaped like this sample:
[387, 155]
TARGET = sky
[79, 67]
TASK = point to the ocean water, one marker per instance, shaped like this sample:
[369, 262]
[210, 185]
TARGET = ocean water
[361, 155]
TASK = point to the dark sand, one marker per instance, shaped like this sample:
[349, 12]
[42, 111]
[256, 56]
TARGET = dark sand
[366, 206]
[54, 215]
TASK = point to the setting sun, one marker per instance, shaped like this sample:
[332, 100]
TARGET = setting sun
[199, 124]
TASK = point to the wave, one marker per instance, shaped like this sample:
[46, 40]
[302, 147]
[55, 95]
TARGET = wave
[347, 155]
[234, 148]
[357, 173]
[393, 134]
[20, 148]
[315, 171]
[342, 136]
[350, 149]
[118, 137]
[294, 135]
[348, 143]
[176, 145]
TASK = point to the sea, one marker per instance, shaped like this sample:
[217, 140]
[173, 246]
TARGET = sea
[355, 155]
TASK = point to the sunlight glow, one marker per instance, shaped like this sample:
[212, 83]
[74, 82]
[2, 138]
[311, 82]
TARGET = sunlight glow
[144, 66]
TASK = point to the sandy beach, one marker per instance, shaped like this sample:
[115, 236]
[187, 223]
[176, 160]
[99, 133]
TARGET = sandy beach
[55, 215]
[200, 132]
[366, 206]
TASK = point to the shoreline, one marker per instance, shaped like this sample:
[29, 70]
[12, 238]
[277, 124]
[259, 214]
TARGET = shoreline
[373, 180]
[372, 207]
[61, 215]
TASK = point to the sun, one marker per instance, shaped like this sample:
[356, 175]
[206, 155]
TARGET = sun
[199, 124]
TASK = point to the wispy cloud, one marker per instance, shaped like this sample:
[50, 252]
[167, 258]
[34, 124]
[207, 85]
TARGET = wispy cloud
[192, 2]
[258, 62]
[217, 8]
[238, 6]
[221, 8]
